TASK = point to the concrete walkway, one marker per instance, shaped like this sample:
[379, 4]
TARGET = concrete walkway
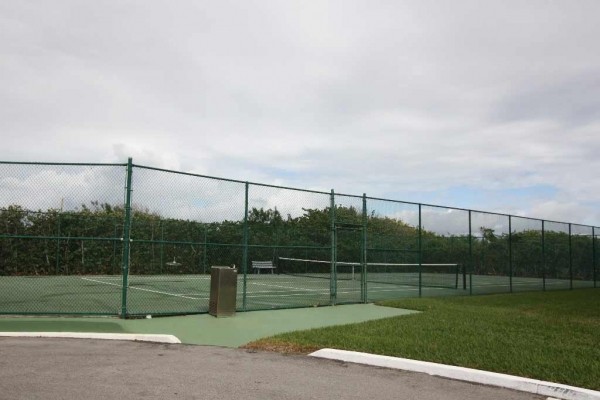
[205, 329]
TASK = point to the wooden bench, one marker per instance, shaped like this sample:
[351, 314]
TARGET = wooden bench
[258, 265]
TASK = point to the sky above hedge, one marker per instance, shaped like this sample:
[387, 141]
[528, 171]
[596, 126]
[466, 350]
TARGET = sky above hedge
[488, 105]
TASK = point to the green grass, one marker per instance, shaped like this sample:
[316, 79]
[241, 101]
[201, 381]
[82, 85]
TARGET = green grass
[552, 336]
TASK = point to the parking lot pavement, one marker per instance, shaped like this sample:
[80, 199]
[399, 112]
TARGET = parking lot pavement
[33, 368]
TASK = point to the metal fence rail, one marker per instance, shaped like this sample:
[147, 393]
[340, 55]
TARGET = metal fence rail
[129, 240]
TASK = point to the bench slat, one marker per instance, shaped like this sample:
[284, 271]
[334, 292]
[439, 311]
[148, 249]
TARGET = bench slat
[258, 265]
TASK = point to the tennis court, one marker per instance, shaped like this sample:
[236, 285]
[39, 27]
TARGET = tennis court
[147, 247]
[182, 294]
[176, 294]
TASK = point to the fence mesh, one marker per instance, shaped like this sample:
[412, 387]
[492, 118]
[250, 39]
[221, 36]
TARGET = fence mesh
[287, 224]
[181, 224]
[491, 266]
[527, 254]
[393, 238]
[122, 239]
[556, 255]
[61, 228]
[582, 256]
[350, 247]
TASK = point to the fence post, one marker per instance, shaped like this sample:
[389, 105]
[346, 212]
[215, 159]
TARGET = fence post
[114, 257]
[204, 255]
[162, 246]
[58, 244]
[570, 260]
[126, 239]
[544, 268]
[332, 274]
[245, 248]
[419, 254]
[471, 263]
[594, 255]
[510, 263]
[364, 249]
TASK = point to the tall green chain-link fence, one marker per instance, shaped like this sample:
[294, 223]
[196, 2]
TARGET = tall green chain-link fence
[61, 226]
[132, 240]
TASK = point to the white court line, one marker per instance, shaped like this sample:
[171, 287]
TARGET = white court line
[327, 291]
[154, 278]
[141, 289]
[290, 288]
[324, 291]
[520, 284]
[370, 288]
[275, 294]
[303, 291]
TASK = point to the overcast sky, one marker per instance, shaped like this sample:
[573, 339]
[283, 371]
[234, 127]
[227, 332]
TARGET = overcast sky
[492, 105]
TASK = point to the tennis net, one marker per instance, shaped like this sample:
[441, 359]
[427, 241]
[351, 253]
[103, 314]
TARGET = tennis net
[449, 275]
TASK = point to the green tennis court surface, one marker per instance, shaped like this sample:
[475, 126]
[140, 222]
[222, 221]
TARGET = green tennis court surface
[187, 294]
[207, 330]
[172, 294]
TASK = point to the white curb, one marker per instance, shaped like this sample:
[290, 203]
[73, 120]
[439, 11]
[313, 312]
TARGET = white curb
[554, 390]
[106, 336]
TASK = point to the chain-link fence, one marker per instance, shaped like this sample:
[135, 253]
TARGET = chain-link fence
[61, 227]
[129, 240]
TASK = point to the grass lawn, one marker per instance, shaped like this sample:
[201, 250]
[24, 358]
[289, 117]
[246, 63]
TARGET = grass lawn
[552, 336]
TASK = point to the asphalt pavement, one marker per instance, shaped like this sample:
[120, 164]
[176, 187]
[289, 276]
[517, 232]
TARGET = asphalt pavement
[33, 368]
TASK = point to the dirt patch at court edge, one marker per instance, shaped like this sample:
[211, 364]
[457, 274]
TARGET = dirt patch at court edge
[279, 346]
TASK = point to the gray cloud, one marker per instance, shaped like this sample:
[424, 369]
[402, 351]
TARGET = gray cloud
[405, 99]
[572, 101]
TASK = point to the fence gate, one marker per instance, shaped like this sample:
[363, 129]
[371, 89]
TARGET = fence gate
[349, 273]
